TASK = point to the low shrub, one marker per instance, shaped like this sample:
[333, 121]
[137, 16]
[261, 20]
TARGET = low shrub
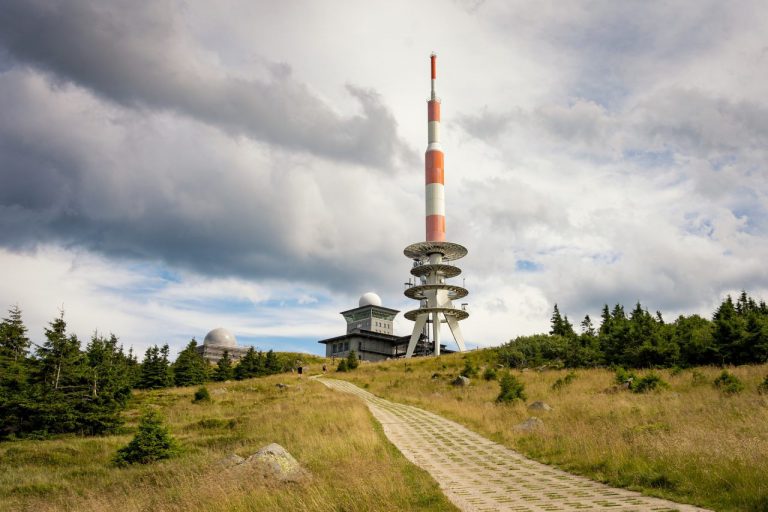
[342, 366]
[563, 381]
[489, 374]
[728, 383]
[511, 389]
[762, 388]
[213, 423]
[623, 376]
[202, 395]
[650, 382]
[698, 378]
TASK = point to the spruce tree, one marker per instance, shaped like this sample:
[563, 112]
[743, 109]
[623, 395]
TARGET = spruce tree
[352, 361]
[59, 383]
[223, 370]
[260, 365]
[272, 363]
[190, 368]
[109, 385]
[730, 332]
[586, 326]
[246, 368]
[15, 366]
[13, 335]
[59, 355]
[154, 369]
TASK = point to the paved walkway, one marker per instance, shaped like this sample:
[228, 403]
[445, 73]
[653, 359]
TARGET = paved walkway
[478, 474]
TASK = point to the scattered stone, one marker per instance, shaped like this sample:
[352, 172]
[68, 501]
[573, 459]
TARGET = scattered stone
[280, 385]
[231, 460]
[460, 381]
[540, 406]
[532, 423]
[627, 384]
[278, 463]
[435, 376]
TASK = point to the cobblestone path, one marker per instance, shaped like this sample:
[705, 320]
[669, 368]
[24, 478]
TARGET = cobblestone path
[479, 475]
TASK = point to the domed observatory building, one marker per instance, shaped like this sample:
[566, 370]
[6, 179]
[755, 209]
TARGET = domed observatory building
[217, 342]
[370, 332]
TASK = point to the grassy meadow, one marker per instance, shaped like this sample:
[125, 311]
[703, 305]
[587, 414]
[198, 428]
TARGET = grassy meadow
[332, 435]
[689, 442]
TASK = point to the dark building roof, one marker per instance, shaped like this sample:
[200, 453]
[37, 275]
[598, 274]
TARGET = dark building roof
[362, 333]
[389, 310]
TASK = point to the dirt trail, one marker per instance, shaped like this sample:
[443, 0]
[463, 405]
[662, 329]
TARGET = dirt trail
[478, 474]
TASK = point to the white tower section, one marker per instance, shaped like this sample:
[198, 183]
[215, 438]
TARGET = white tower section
[432, 258]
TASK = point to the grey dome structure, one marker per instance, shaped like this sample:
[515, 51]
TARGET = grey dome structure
[369, 299]
[220, 337]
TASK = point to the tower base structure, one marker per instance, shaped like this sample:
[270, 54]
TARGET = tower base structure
[431, 267]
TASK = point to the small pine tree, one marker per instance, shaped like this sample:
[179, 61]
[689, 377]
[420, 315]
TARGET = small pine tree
[152, 442]
[342, 366]
[352, 361]
[511, 389]
[489, 374]
[469, 370]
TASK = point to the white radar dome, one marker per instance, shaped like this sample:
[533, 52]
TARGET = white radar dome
[220, 337]
[369, 299]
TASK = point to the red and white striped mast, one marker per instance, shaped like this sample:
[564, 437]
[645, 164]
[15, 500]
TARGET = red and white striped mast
[432, 257]
[434, 161]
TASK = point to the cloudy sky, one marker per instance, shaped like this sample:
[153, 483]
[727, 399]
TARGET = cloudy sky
[175, 166]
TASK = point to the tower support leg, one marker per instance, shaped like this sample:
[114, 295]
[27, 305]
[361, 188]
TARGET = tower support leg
[418, 327]
[436, 333]
[456, 331]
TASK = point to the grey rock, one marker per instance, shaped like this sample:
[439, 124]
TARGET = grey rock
[277, 462]
[532, 423]
[540, 406]
[280, 385]
[460, 381]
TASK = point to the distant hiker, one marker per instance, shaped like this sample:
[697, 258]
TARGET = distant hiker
[325, 368]
[300, 370]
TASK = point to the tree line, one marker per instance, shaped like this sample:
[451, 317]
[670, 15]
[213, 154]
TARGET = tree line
[60, 386]
[736, 334]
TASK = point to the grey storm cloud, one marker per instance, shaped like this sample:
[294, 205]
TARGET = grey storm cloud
[134, 186]
[139, 55]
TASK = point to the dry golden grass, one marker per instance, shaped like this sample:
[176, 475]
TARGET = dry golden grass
[331, 434]
[689, 443]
